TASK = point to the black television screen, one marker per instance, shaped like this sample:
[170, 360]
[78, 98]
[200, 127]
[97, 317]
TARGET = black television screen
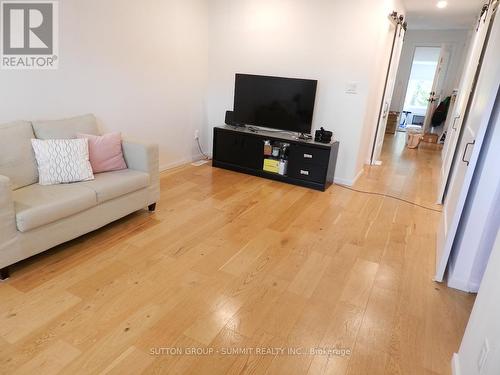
[275, 102]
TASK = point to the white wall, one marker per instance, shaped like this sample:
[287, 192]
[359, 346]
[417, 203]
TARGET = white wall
[483, 325]
[335, 42]
[458, 41]
[140, 66]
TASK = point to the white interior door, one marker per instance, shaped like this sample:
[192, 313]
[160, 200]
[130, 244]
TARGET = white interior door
[436, 95]
[456, 115]
[450, 121]
[476, 119]
[388, 92]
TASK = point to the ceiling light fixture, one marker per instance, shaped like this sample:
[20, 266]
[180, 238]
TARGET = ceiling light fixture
[442, 4]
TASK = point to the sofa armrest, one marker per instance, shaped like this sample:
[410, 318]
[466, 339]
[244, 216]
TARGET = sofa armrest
[144, 157]
[141, 156]
[8, 228]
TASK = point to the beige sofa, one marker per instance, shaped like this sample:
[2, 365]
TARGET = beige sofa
[34, 218]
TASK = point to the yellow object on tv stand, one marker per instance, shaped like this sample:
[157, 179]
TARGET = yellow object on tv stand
[271, 165]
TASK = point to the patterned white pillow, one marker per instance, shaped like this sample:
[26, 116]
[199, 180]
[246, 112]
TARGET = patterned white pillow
[62, 160]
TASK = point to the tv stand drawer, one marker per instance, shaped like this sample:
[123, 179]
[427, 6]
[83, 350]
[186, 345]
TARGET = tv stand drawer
[305, 154]
[307, 172]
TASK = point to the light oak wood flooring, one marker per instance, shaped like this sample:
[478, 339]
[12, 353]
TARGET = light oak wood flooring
[235, 261]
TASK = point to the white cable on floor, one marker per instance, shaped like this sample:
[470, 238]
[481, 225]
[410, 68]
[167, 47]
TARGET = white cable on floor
[388, 196]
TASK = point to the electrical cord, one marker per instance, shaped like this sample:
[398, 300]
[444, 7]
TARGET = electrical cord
[201, 150]
[388, 196]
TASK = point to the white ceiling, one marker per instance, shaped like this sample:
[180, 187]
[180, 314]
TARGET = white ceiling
[459, 14]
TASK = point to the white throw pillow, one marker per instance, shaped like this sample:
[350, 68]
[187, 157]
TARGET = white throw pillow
[62, 160]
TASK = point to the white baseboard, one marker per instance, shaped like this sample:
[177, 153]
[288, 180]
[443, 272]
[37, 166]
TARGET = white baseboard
[455, 365]
[360, 173]
[175, 164]
[343, 181]
[178, 163]
[348, 182]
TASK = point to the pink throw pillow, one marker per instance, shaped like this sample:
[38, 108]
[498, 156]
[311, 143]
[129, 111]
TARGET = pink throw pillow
[105, 152]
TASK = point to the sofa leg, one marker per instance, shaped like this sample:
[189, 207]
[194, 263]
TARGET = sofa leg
[152, 207]
[4, 273]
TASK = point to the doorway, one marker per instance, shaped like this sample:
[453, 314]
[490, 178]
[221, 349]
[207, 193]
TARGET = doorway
[419, 93]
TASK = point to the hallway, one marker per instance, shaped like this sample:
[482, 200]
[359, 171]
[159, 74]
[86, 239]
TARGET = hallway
[412, 174]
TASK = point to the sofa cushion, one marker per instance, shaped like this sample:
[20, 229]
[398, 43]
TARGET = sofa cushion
[17, 159]
[66, 128]
[110, 185]
[37, 205]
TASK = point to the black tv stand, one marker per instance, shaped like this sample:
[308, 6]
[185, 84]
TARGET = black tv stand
[310, 164]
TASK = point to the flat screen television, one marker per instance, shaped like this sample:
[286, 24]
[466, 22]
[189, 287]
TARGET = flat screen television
[275, 102]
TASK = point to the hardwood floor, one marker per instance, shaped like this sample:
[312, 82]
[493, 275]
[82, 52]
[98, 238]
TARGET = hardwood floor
[234, 261]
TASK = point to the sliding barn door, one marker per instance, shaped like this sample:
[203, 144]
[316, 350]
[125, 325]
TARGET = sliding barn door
[388, 92]
[476, 118]
[456, 117]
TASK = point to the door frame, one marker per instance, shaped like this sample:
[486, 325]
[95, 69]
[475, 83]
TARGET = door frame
[400, 28]
[407, 81]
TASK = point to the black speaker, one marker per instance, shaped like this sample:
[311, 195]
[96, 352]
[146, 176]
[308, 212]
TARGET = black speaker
[230, 119]
[323, 136]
